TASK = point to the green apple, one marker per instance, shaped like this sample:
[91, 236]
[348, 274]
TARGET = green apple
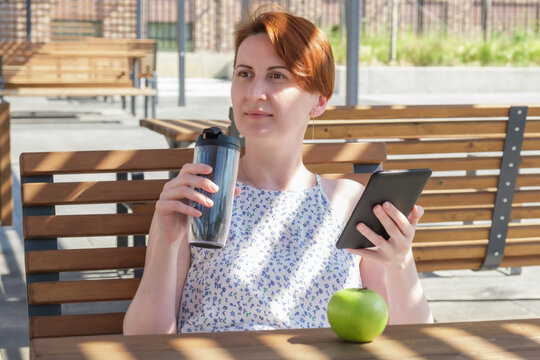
[358, 315]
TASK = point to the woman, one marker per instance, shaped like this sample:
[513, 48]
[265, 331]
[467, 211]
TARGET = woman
[280, 266]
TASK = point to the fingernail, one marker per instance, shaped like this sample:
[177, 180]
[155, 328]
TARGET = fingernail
[387, 205]
[377, 209]
[209, 202]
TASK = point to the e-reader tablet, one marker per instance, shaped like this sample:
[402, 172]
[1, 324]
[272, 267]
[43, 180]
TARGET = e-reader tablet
[400, 187]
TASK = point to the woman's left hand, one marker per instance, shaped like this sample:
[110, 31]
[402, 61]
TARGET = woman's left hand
[396, 251]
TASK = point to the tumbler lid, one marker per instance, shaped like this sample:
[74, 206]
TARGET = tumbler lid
[215, 136]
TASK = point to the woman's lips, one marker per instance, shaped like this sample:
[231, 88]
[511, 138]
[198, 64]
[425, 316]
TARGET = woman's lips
[257, 114]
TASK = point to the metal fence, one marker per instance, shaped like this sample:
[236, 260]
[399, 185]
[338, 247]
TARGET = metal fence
[210, 23]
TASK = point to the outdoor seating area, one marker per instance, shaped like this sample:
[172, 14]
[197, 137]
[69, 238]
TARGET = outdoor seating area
[88, 68]
[85, 291]
[101, 103]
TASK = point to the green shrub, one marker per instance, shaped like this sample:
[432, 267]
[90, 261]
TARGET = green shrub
[518, 49]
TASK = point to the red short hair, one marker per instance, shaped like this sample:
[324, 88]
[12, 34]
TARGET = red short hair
[301, 45]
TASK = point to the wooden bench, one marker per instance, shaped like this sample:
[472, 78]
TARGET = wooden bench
[70, 250]
[79, 69]
[482, 202]
[6, 182]
[463, 145]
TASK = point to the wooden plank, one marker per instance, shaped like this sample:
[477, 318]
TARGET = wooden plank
[407, 129]
[472, 232]
[462, 163]
[91, 192]
[474, 264]
[413, 111]
[63, 292]
[360, 153]
[473, 249]
[76, 325]
[84, 259]
[479, 182]
[442, 146]
[183, 130]
[36, 227]
[173, 159]
[476, 214]
[473, 198]
[103, 161]
[100, 90]
[6, 182]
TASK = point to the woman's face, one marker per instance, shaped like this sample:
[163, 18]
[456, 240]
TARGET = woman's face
[267, 102]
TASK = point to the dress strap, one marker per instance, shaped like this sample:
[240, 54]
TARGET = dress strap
[318, 179]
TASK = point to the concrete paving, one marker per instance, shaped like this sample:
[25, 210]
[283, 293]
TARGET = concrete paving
[40, 124]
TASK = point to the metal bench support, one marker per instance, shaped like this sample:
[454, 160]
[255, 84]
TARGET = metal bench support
[505, 187]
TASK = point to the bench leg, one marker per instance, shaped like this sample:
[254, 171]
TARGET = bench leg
[510, 271]
[134, 105]
[146, 106]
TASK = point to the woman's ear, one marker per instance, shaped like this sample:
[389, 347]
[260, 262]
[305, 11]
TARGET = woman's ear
[319, 107]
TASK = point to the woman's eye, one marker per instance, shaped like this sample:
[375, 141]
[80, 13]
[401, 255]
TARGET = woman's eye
[277, 76]
[242, 74]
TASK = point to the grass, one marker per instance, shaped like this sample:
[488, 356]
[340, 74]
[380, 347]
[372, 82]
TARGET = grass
[432, 50]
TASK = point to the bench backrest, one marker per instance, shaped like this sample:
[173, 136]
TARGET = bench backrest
[93, 63]
[70, 246]
[476, 214]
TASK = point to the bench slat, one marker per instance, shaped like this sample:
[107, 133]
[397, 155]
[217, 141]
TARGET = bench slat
[472, 232]
[103, 90]
[76, 325]
[476, 213]
[84, 259]
[100, 192]
[458, 264]
[469, 164]
[86, 225]
[173, 159]
[357, 129]
[92, 192]
[419, 111]
[62, 292]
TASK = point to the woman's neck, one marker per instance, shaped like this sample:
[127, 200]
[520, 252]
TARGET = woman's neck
[275, 169]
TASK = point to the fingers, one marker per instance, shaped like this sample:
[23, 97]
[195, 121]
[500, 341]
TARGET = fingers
[416, 214]
[393, 220]
[400, 229]
[187, 186]
[170, 206]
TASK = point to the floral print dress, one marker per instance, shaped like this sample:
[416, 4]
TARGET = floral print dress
[278, 269]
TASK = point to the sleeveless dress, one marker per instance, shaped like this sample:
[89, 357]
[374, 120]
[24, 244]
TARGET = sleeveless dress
[278, 269]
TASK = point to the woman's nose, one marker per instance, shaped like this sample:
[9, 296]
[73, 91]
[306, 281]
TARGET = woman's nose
[257, 90]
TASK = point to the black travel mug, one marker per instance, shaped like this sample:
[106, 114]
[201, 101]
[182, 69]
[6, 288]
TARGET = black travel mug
[222, 153]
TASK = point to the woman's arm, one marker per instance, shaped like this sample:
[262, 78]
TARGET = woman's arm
[155, 306]
[389, 268]
[154, 309]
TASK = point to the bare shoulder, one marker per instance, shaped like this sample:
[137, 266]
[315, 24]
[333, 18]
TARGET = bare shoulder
[343, 195]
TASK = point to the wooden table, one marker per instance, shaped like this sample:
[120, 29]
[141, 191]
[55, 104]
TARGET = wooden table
[182, 132]
[508, 340]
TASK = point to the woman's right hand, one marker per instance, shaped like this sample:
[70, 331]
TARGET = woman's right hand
[174, 201]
